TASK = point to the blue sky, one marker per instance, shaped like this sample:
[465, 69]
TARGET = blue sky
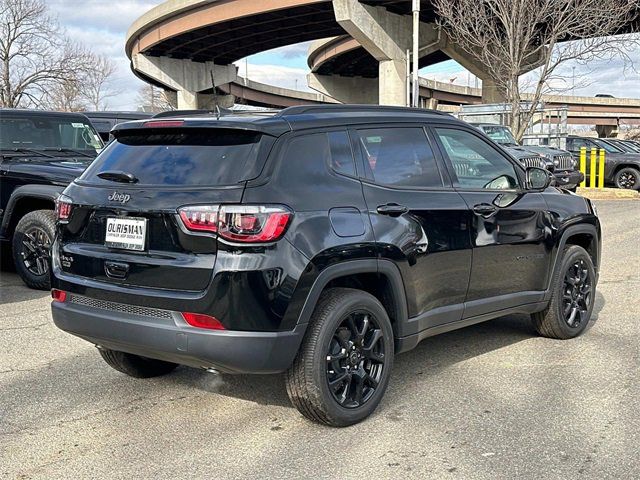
[102, 26]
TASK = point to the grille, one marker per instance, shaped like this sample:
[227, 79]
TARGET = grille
[564, 162]
[532, 162]
[119, 307]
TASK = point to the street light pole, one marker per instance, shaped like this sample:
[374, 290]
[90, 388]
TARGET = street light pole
[416, 26]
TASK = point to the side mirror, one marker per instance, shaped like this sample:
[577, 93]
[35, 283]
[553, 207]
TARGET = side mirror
[537, 178]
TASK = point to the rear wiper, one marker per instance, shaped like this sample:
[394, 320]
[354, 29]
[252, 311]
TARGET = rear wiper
[118, 176]
[29, 150]
[60, 149]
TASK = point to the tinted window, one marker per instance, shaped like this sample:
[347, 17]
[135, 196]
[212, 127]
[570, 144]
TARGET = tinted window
[475, 163]
[40, 132]
[399, 157]
[577, 143]
[194, 157]
[341, 156]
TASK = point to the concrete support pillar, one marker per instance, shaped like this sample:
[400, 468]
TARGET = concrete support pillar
[188, 79]
[392, 78]
[384, 35]
[431, 103]
[491, 93]
[607, 131]
[345, 89]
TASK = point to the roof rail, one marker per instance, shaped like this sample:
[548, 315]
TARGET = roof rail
[217, 112]
[301, 109]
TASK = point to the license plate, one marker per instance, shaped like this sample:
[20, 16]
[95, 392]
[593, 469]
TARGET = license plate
[128, 233]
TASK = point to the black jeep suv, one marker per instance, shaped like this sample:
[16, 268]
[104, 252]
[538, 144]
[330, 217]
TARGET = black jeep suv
[319, 241]
[40, 154]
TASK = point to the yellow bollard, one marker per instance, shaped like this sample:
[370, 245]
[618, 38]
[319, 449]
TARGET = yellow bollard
[592, 169]
[583, 166]
[601, 169]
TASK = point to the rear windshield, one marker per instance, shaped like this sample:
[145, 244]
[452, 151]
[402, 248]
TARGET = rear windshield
[206, 157]
[48, 132]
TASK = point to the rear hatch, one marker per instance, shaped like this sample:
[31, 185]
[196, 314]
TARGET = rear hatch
[123, 226]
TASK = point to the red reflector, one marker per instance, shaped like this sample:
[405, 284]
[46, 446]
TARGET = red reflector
[202, 321]
[58, 295]
[163, 124]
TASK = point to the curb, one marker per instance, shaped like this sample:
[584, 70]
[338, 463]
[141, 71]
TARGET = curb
[608, 194]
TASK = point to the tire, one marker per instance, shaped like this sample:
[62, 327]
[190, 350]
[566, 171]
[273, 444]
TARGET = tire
[365, 367]
[628, 178]
[570, 308]
[135, 365]
[31, 248]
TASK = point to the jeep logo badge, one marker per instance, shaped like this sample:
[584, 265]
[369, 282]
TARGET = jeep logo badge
[119, 197]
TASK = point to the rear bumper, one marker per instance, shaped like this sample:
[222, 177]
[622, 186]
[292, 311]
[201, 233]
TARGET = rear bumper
[171, 339]
[568, 179]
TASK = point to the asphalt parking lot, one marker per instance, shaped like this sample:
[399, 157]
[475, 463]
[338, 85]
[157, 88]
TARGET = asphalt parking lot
[489, 401]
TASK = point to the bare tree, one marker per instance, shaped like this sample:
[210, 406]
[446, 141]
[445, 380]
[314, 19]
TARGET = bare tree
[34, 53]
[512, 37]
[64, 95]
[97, 82]
[152, 99]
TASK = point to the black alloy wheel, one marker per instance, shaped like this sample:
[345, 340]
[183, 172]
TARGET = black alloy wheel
[31, 244]
[628, 178]
[576, 298]
[355, 360]
[35, 251]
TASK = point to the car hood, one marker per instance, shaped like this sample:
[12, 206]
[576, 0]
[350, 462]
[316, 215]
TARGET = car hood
[547, 151]
[60, 170]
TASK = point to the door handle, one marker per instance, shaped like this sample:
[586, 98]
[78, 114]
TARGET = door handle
[392, 209]
[484, 209]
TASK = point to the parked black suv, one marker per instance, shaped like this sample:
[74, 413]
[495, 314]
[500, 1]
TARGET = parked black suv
[559, 162]
[319, 242]
[40, 154]
[621, 168]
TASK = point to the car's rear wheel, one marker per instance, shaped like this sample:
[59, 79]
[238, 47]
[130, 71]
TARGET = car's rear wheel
[573, 296]
[135, 365]
[628, 178]
[343, 367]
[31, 247]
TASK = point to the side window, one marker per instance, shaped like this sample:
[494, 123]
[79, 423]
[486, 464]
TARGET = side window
[399, 157]
[341, 156]
[578, 143]
[475, 162]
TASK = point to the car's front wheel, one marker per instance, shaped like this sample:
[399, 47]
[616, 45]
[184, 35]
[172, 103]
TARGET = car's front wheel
[628, 178]
[31, 247]
[343, 367]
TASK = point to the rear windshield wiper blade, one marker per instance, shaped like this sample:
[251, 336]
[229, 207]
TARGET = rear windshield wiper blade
[29, 150]
[69, 150]
[118, 176]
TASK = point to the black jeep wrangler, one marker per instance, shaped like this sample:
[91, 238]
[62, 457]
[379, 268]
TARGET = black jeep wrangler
[40, 154]
[319, 241]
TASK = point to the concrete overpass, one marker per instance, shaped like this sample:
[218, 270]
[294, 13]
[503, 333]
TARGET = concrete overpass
[187, 46]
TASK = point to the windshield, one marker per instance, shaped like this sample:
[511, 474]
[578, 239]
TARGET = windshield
[48, 132]
[499, 134]
[209, 157]
[607, 146]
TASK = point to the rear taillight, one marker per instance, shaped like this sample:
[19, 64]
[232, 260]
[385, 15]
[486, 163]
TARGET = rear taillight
[64, 205]
[202, 321]
[238, 223]
[203, 218]
[58, 295]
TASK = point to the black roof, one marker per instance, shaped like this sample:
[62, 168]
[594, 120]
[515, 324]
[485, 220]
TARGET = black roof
[31, 112]
[298, 118]
[118, 114]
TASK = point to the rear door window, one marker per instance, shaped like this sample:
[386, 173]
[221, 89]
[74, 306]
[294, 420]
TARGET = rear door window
[399, 157]
[197, 157]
